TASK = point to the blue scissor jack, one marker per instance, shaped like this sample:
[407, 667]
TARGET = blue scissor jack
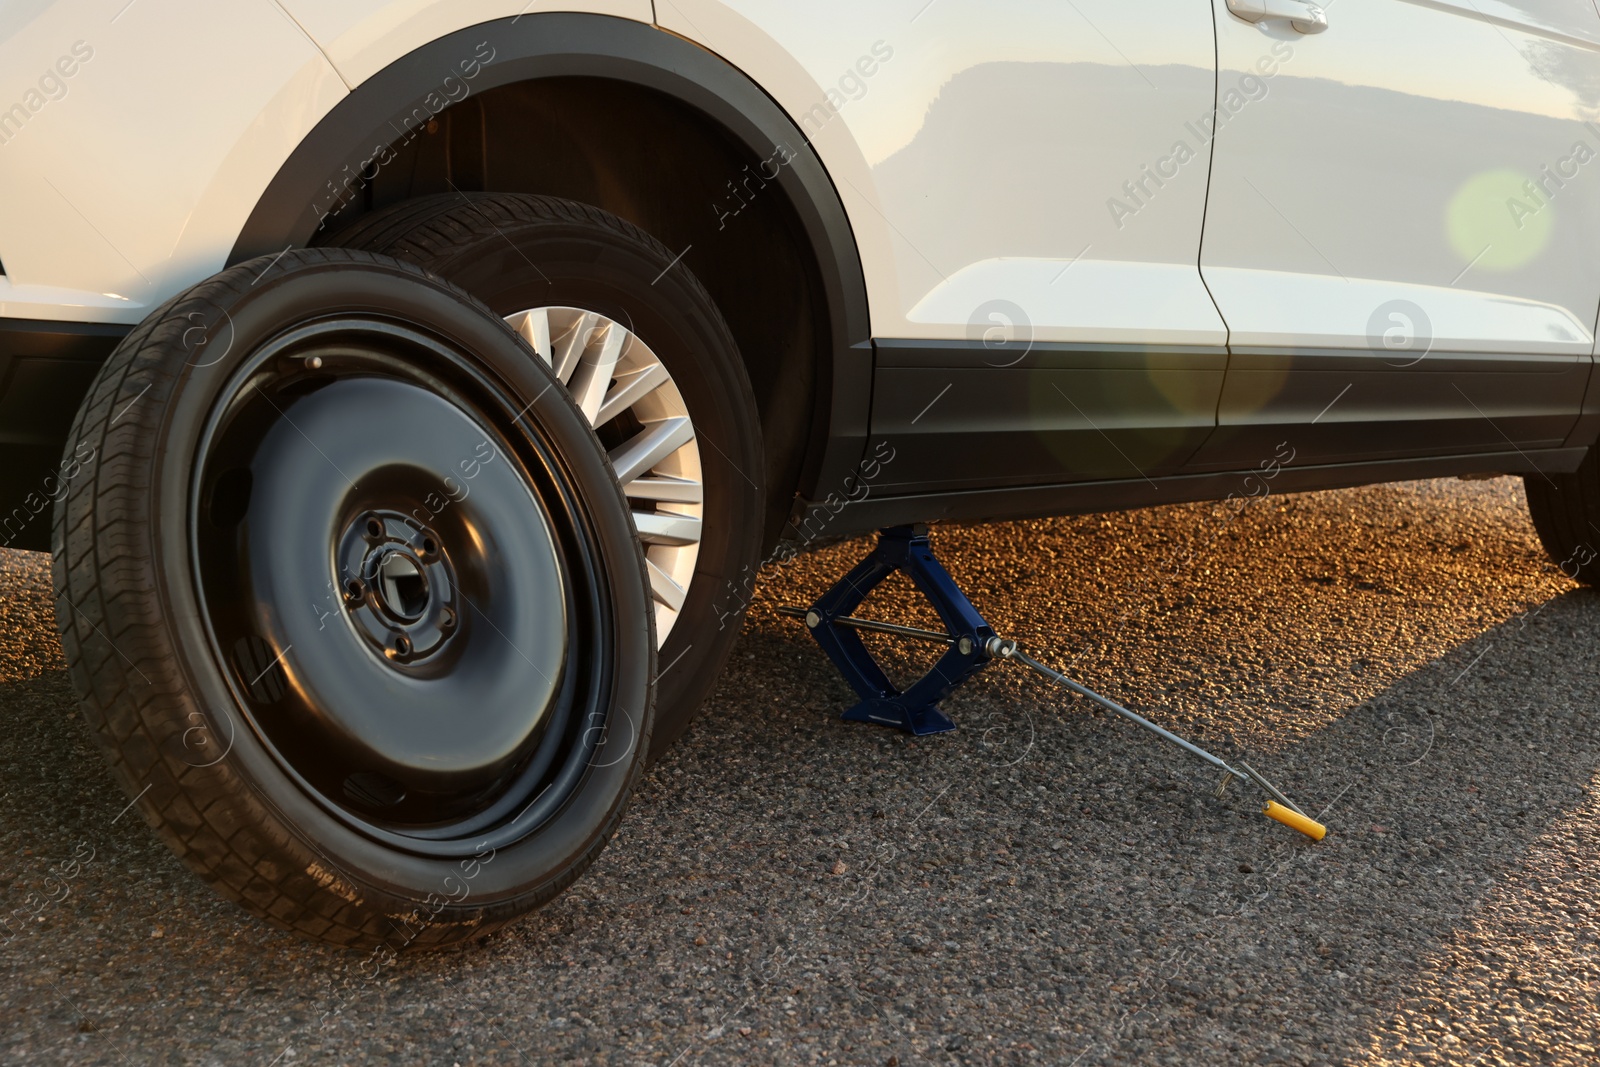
[971, 644]
[916, 710]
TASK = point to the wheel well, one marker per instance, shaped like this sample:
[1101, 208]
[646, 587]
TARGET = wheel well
[679, 176]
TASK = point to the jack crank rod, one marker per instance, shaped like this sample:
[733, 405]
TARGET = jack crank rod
[1003, 648]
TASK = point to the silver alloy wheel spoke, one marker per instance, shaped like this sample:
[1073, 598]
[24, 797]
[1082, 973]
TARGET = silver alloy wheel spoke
[657, 442]
[664, 589]
[618, 382]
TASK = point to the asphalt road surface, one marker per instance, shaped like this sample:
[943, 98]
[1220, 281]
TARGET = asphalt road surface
[1046, 885]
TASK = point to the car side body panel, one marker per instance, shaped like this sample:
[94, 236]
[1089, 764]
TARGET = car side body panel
[1402, 238]
[362, 37]
[1372, 168]
[978, 147]
[125, 203]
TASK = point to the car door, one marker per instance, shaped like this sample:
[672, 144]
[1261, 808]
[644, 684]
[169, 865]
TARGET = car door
[1026, 183]
[1402, 226]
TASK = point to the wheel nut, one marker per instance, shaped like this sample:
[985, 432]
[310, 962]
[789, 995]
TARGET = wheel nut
[313, 362]
[401, 647]
[354, 589]
[447, 619]
[375, 528]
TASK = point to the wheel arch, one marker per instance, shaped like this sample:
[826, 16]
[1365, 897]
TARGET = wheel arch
[789, 236]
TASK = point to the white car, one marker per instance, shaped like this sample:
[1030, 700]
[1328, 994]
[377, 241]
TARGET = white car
[409, 390]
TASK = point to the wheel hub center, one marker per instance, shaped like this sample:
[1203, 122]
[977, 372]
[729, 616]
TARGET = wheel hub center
[399, 588]
[400, 584]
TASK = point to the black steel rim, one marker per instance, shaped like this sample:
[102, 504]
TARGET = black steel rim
[402, 584]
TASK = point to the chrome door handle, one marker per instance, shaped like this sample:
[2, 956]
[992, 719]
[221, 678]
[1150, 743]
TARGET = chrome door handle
[1303, 16]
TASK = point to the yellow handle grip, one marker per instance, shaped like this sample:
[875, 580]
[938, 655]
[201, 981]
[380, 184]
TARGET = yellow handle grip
[1295, 821]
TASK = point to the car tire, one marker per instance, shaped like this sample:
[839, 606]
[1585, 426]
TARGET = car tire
[519, 252]
[353, 601]
[1565, 509]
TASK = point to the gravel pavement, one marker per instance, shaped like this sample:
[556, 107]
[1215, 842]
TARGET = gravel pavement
[1046, 885]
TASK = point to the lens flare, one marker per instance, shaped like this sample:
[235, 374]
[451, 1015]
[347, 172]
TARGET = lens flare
[1499, 220]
